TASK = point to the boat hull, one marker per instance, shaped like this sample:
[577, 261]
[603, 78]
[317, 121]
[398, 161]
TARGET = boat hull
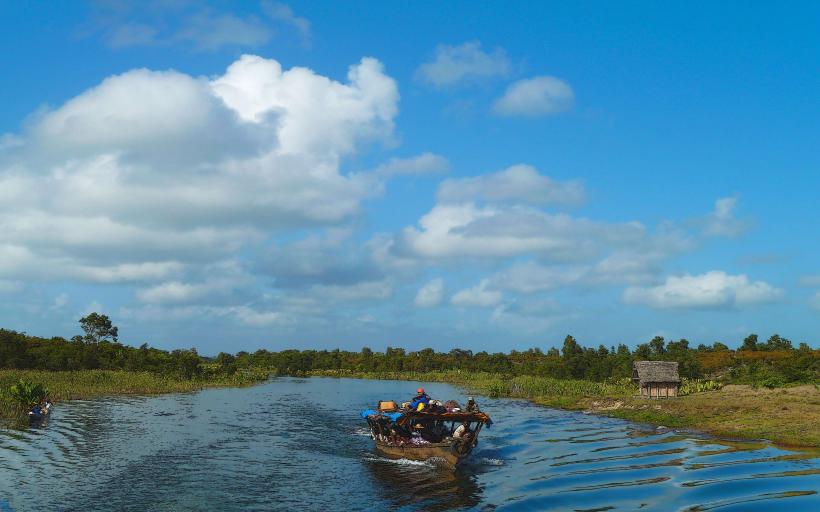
[441, 451]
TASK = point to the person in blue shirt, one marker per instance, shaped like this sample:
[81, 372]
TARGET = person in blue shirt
[420, 398]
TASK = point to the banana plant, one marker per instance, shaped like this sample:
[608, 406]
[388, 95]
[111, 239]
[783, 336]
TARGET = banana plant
[27, 393]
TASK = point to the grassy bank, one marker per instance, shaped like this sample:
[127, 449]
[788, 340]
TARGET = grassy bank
[786, 416]
[84, 384]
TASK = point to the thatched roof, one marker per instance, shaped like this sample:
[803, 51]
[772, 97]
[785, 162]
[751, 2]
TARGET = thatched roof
[655, 371]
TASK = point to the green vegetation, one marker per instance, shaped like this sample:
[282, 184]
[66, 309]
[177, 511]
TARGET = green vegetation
[27, 394]
[85, 384]
[692, 386]
[96, 364]
[564, 393]
[750, 392]
[774, 363]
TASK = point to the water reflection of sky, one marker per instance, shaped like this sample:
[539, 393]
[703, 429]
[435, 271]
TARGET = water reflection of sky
[299, 444]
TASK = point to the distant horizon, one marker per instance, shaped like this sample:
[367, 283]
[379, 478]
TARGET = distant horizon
[237, 176]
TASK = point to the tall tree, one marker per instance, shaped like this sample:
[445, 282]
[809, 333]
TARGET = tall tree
[98, 328]
[749, 342]
[657, 346]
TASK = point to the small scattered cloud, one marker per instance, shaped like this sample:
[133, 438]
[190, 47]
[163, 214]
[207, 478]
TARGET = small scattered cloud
[93, 307]
[534, 97]
[209, 31]
[420, 165]
[175, 292]
[711, 290]
[454, 65]
[431, 294]
[365, 290]
[477, 296]
[203, 26]
[60, 301]
[132, 34]
[722, 221]
[251, 317]
[519, 183]
[282, 12]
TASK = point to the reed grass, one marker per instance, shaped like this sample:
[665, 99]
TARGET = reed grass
[560, 392]
[85, 384]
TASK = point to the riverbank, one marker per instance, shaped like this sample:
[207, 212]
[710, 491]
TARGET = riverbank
[787, 416]
[86, 384]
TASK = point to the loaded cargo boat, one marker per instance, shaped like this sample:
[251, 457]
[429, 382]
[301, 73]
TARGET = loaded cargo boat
[437, 432]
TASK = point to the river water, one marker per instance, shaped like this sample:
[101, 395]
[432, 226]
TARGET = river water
[299, 444]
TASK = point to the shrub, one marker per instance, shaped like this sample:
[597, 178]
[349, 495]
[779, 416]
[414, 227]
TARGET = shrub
[691, 386]
[772, 381]
[27, 394]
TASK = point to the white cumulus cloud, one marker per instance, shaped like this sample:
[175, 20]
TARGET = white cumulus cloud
[150, 172]
[537, 96]
[715, 289]
[467, 230]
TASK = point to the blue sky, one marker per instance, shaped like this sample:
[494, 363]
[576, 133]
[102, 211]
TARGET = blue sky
[237, 175]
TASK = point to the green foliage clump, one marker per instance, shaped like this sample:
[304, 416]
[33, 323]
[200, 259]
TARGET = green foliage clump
[27, 394]
[691, 386]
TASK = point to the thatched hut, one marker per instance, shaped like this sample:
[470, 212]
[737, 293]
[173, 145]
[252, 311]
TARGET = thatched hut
[658, 379]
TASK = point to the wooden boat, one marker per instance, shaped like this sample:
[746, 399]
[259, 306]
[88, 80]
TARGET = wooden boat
[451, 449]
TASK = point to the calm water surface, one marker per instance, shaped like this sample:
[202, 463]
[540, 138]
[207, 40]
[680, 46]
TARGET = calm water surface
[298, 444]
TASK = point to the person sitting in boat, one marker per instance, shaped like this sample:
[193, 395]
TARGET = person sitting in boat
[463, 431]
[472, 406]
[47, 405]
[36, 411]
[420, 398]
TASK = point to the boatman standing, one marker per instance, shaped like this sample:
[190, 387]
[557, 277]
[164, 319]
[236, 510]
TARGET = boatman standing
[420, 398]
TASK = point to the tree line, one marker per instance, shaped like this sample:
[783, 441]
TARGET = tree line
[98, 348]
[773, 362]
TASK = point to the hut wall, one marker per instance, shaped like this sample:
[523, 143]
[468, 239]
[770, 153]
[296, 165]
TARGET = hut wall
[659, 390]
